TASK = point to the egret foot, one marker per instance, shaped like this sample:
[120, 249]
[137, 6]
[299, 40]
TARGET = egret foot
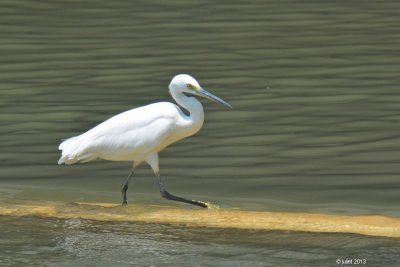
[167, 195]
[209, 205]
[124, 186]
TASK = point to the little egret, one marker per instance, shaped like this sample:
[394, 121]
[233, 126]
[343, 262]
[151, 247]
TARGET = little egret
[139, 134]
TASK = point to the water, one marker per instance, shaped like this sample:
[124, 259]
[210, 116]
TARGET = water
[76, 242]
[315, 124]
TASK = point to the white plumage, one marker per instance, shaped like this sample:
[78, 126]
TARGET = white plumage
[128, 136]
[138, 135]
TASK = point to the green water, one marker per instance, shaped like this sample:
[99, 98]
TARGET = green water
[76, 242]
[315, 124]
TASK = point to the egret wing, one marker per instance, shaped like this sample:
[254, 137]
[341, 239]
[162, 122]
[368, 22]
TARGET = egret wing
[127, 135]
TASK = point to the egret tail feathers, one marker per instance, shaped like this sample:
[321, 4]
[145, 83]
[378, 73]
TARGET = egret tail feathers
[73, 151]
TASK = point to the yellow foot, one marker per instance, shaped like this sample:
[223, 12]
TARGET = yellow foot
[209, 205]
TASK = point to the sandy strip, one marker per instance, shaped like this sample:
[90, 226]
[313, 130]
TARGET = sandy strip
[220, 218]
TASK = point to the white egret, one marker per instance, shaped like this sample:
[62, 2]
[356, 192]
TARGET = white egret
[139, 134]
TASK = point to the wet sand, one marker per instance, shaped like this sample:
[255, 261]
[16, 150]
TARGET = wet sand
[217, 218]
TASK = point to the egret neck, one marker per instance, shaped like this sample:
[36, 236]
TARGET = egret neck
[194, 121]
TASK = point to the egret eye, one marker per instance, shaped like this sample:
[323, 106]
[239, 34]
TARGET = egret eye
[190, 86]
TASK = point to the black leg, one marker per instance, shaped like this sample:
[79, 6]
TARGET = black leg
[124, 187]
[165, 194]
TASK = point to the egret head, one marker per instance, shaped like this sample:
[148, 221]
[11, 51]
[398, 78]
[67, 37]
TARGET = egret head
[184, 83]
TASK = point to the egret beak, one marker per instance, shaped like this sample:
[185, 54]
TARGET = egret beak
[204, 93]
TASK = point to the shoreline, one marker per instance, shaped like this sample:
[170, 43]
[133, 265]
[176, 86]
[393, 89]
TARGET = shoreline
[371, 225]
